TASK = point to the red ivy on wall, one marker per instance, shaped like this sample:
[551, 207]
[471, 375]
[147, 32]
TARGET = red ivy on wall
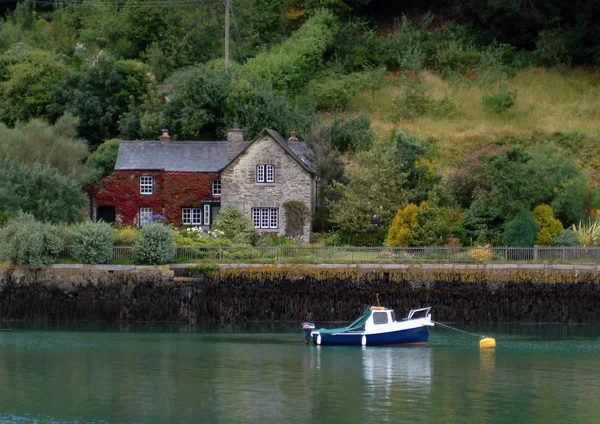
[172, 191]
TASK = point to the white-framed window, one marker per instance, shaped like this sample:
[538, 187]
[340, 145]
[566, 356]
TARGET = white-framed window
[146, 184]
[206, 214]
[270, 173]
[216, 187]
[265, 173]
[191, 216]
[145, 216]
[265, 217]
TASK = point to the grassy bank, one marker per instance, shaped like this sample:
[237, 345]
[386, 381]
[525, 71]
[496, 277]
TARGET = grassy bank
[548, 101]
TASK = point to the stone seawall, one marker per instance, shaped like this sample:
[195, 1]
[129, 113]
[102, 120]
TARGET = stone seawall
[457, 293]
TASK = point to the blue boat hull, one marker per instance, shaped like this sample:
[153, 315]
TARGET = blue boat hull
[410, 337]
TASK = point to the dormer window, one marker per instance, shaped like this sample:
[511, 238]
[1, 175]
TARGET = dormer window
[216, 187]
[146, 184]
[265, 173]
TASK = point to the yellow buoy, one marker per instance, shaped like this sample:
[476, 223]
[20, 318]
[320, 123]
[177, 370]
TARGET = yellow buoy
[487, 343]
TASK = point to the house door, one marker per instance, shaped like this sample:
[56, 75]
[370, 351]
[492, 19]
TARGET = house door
[106, 214]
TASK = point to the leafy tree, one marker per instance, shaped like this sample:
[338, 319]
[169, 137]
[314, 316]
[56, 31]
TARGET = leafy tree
[40, 190]
[289, 65]
[375, 188]
[413, 154]
[521, 231]
[105, 157]
[28, 85]
[351, 134]
[55, 145]
[196, 105]
[329, 165]
[100, 94]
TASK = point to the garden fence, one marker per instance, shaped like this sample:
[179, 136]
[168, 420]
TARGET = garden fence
[339, 254]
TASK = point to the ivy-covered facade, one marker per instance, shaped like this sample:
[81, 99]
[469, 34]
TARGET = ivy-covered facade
[186, 182]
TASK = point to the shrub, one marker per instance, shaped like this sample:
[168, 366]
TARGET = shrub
[588, 234]
[155, 246]
[549, 226]
[127, 235]
[92, 242]
[417, 102]
[501, 100]
[567, 238]
[352, 134]
[405, 220]
[481, 253]
[521, 231]
[235, 226]
[25, 241]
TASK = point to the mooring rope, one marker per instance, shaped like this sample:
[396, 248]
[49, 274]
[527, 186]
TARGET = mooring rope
[457, 330]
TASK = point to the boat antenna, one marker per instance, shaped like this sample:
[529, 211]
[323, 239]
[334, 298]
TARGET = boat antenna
[377, 296]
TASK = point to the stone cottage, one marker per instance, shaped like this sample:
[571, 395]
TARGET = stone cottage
[188, 182]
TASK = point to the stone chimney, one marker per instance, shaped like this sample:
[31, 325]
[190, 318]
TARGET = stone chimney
[235, 141]
[165, 135]
[292, 137]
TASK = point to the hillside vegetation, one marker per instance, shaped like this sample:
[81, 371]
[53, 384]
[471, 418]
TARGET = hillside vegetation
[452, 121]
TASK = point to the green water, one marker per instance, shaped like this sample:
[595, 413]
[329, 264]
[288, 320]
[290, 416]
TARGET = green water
[264, 374]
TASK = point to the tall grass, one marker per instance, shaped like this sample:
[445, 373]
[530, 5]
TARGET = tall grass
[549, 100]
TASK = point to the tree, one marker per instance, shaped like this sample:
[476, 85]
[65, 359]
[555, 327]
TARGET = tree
[40, 190]
[100, 94]
[54, 145]
[374, 190]
[329, 165]
[105, 157]
[28, 86]
[521, 231]
[549, 227]
[405, 220]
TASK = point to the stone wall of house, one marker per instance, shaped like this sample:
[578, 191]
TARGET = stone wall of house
[292, 182]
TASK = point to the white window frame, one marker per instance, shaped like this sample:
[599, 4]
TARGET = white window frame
[269, 173]
[260, 173]
[206, 214]
[265, 218]
[216, 187]
[145, 215]
[265, 173]
[191, 216]
[146, 184]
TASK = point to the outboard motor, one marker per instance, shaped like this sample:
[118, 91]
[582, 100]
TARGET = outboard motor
[307, 327]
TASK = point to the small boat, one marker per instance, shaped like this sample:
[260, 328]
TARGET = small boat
[377, 326]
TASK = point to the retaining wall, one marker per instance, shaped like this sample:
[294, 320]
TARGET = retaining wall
[457, 293]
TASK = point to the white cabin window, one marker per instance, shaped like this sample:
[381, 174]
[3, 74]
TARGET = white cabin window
[380, 318]
[206, 214]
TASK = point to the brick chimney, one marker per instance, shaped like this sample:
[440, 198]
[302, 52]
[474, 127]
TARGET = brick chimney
[165, 135]
[292, 137]
[235, 141]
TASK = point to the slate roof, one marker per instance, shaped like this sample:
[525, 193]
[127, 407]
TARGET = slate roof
[182, 156]
[194, 156]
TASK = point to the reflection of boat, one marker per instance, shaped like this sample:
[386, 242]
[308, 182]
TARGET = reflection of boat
[376, 326]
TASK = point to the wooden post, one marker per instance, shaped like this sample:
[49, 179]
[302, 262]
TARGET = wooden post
[227, 36]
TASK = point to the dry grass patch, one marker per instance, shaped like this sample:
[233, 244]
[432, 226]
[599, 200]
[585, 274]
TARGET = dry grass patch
[547, 101]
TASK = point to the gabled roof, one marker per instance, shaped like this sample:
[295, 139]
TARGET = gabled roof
[182, 156]
[296, 149]
[195, 156]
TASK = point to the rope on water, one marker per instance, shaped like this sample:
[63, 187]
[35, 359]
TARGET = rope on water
[457, 330]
